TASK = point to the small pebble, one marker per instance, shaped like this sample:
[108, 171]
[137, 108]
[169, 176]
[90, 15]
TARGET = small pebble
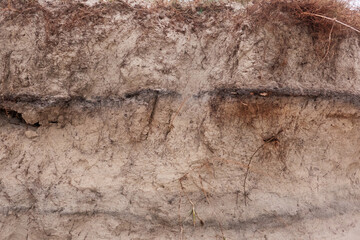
[31, 134]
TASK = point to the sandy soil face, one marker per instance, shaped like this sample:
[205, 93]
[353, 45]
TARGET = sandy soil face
[135, 125]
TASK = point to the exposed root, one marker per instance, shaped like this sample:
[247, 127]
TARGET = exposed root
[266, 141]
[9, 7]
[329, 45]
[317, 16]
[172, 119]
[193, 212]
[332, 19]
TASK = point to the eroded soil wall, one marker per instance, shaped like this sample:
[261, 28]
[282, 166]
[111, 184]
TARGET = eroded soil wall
[136, 125]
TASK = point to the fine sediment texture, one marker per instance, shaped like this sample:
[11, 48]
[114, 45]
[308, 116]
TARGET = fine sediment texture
[132, 124]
